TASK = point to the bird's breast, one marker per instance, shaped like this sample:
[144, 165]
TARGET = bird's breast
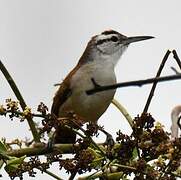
[91, 107]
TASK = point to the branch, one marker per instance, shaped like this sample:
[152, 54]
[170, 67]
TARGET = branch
[21, 113]
[21, 100]
[133, 83]
[175, 55]
[175, 70]
[34, 151]
[178, 122]
[111, 175]
[89, 137]
[155, 83]
[123, 111]
[51, 174]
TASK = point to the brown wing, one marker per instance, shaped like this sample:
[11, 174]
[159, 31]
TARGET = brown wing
[64, 92]
[60, 97]
[62, 134]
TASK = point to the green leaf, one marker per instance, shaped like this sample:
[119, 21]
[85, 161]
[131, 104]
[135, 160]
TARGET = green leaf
[3, 147]
[94, 152]
[134, 153]
[1, 163]
[97, 162]
[3, 150]
[13, 163]
[115, 176]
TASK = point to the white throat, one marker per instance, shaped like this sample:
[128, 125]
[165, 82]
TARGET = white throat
[108, 58]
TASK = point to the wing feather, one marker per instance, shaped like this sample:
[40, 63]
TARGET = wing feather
[63, 93]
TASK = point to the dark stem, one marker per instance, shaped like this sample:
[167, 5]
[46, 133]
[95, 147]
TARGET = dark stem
[133, 83]
[175, 70]
[155, 83]
[175, 55]
[57, 84]
[89, 137]
[42, 150]
[178, 122]
[21, 100]
[32, 114]
[50, 174]
[72, 176]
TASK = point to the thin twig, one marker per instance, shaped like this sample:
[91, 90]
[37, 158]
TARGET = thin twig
[57, 84]
[72, 176]
[123, 111]
[133, 83]
[174, 70]
[12, 85]
[178, 122]
[42, 150]
[92, 176]
[75, 131]
[124, 166]
[117, 174]
[21, 113]
[21, 100]
[50, 174]
[90, 139]
[165, 169]
[155, 83]
[175, 55]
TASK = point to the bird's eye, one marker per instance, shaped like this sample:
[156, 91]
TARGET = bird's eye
[114, 39]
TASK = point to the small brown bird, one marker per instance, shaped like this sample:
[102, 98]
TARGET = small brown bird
[97, 62]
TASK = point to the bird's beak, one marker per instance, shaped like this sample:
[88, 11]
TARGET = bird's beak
[136, 39]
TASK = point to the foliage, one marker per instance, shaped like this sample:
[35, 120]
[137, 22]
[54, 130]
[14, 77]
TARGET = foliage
[147, 153]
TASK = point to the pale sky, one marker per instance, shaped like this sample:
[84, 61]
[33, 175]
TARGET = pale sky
[42, 40]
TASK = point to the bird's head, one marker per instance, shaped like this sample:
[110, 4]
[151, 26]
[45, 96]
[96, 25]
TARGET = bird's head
[110, 41]
[110, 44]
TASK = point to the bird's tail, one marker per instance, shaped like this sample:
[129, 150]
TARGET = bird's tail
[64, 135]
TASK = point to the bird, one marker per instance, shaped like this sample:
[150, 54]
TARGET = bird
[96, 65]
[175, 116]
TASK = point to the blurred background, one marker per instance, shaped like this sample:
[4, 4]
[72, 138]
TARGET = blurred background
[42, 40]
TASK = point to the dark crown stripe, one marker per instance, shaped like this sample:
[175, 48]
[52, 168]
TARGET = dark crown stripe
[109, 32]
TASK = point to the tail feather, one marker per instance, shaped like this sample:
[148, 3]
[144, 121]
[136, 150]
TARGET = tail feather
[64, 135]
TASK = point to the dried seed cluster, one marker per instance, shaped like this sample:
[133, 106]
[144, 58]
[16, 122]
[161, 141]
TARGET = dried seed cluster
[148, 153]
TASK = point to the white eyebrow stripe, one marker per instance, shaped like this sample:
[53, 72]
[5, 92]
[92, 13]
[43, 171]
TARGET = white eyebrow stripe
[102, 36]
